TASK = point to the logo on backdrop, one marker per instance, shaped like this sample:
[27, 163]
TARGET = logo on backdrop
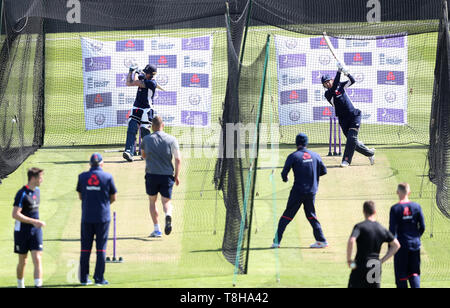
[293, 60]
[97, 64]
[196, 43]
[390, 77]
[194, 118]
[163, 61]
[194, 80]
[130, 45]
[358, 58]
[390, 115]
[98, 100]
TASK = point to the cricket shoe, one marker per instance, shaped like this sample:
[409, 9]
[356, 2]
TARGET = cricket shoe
[344, 164]
[102, 283]
[87, 283]
[275, 245]
[168, 227]
[319, 245]
[155, 234]
[372, 158]
[128, 156]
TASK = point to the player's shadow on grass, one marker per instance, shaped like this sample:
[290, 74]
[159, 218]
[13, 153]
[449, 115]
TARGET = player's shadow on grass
[133, 238]
[79, 162]
[253, 249]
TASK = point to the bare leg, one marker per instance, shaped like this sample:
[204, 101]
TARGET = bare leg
[153, 209]
[21, 266]
[37, 262]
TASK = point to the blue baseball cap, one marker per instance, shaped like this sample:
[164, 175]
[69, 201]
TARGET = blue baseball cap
[96, 159]
[325, 78]
[301, 140]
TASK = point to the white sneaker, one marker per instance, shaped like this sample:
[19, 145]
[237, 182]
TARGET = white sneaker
[156, 234]
[127, 156]
[345, 164]
[274, 245]
[319, 245]
[372, 158]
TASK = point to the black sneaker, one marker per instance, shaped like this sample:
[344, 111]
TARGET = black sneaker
[168, 227]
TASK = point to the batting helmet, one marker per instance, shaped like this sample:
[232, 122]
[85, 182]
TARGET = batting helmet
[149, 69]
[325, 78]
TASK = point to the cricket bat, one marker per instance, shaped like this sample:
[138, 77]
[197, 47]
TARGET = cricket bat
[333, 52]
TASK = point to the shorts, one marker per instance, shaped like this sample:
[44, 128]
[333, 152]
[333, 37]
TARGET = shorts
[362, 278]
[156, 183]
[28, 240]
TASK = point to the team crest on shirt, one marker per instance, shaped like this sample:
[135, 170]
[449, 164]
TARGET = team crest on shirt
[407, 214]
[307, 157]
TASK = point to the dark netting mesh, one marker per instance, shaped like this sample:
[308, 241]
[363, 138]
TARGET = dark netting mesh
[439, 148]
[21, 92]
[231, 168]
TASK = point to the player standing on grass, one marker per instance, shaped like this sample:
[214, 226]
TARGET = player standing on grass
[369, 236]
[97, 191]
[28, 227]
[307, 167]
[158, 150]
[142, 112]
[407, 223]
[349, 117]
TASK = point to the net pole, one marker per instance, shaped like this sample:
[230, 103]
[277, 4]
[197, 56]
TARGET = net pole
[256, 150]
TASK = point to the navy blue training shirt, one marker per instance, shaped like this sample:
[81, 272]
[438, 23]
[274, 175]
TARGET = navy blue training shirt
[96, 187]
[339, 99]
[28, 200]
[307, 167]
[407, 223]
[143, 95]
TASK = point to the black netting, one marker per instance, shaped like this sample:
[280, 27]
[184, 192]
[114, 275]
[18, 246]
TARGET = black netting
[21, 93]
[439, 148]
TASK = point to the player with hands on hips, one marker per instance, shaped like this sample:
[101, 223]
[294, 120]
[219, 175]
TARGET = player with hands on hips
[349, 116]
[142, 113]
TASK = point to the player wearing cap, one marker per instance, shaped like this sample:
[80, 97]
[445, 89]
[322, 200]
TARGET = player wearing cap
[307, 167]
[142, 113]
[407, 223]
[349, 116]
[97, 191]
[28, 227]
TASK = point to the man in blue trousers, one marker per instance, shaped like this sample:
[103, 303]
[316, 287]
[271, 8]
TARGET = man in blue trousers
[307, 167]
[407, 223]
[97, 191]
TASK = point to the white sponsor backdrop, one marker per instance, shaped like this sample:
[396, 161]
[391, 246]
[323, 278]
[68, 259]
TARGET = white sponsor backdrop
[378, 65]
[184, 71]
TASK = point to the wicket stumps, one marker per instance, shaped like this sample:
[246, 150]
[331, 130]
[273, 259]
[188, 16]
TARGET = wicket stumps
[114, 259]
[335, 130]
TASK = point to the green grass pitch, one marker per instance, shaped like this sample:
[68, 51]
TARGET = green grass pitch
[191, 255]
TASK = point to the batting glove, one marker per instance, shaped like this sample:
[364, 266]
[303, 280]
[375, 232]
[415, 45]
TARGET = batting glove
[342, 69]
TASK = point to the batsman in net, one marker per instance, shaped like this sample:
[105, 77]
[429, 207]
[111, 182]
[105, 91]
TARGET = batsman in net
[142, 113]
[349, 116]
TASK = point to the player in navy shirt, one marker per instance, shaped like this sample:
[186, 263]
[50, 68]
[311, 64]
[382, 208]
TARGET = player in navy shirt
[28, 226]
[142, 112]
[97, 191]
[307, 167]
[407, 223]
[349, 117]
